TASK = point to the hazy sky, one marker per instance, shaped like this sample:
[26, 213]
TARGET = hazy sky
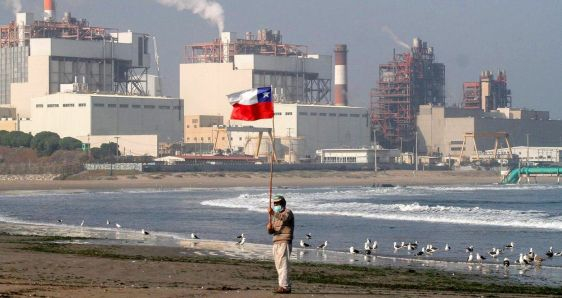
[522, 37]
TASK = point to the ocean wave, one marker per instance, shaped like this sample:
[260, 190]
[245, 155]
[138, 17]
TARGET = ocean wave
[327, 204]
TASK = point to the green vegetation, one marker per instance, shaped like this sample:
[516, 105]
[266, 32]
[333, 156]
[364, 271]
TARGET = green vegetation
[18, 139]
[45, 143]
[69, 143]
[106, 152]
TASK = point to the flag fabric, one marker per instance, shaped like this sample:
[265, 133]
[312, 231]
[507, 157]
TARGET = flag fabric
[251, 105]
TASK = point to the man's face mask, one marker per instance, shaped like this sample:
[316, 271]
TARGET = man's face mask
[277, 208]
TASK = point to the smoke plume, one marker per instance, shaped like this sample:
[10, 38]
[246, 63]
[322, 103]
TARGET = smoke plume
[397, 40]
[207, 9]
[14, 4]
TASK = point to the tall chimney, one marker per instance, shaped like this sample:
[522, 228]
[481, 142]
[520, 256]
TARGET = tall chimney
[49, 10]
[340, 75]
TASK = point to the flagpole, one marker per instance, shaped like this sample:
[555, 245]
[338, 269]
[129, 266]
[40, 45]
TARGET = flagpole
[271, 153]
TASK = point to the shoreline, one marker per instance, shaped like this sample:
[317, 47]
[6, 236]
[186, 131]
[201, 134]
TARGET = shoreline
[247, 179]
[52, 266]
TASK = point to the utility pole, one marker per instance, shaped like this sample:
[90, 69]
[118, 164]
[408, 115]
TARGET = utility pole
[117, 148]
[416, 153]
[527, 149]
[375, 138]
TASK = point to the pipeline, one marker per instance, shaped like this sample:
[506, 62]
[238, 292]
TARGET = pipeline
[513, 176]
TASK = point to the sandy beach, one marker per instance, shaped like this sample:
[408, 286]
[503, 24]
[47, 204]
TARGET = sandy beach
[245, 179]
[37, 266]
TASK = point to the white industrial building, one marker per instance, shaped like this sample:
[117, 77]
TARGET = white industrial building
[305, 119]
[532, 154]
[361, 155]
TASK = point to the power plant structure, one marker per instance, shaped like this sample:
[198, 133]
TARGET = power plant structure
[487, 94]
[409, 80]
[306, 117]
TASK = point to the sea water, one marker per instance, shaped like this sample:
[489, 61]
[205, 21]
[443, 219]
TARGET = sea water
[481, 216]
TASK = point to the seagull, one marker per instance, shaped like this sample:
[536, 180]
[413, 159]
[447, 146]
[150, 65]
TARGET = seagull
[303, 244]
[413, 244]
[510, 245]
[107, 222]
[506, 262]
[144, 232]
[410, 247]
[368, 244]
[531, 254]
[117, 225]
[494, 253]
[480, 258]
[397, 246]
[526, 259]
[549, 253]
[309, 236]
[240, 236]
[469, 259]
[447, 247]
[433, 249]
[470, 249]
[193, 236]
[375, 245]
[242, 240]
[558, 254]
[352, 250]
[59, 221]
[420, 253]
[323, 245]
[82, 223]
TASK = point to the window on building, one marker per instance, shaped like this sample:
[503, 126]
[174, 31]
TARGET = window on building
[240, 139]
[278, 114]
[194, 126]
[333, 114]
[164, 107]
[136, 106]
[99, 105]
[81, 105]
[342, 115]
[38, 105]
[177, 107]
[354, 115]
[313, 114]
[323, 114]
[111, 105]
[67, 105]
[223, 138]
[123, 105]
[365, 115]
[208, 138]
[187, 126]
[288, 113]
[303, 113]
[187, 139]
[149, 106]
[52, 105]
[194, 120]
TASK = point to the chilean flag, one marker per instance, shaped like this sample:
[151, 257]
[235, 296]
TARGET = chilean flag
[251, 105]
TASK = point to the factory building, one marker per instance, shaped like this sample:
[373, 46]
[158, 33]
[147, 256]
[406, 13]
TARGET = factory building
[488, 94]
[409, 80]
[532, 154]
[306, 119]
[448, 131]
[48, 61]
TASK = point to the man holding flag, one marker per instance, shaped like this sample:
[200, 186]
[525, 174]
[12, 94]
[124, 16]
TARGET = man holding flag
[251, 105]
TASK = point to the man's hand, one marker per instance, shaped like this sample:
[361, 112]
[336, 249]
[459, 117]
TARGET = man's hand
[270, 211]
[270, 228]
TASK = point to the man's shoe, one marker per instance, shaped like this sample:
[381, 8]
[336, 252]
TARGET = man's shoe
[282, 290]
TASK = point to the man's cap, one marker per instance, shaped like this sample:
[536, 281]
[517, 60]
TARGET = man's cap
[278, 198]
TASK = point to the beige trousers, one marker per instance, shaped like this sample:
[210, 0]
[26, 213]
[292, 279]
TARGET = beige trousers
[281, 254]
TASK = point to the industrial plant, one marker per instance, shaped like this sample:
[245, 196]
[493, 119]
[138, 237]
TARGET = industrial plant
[65, 75]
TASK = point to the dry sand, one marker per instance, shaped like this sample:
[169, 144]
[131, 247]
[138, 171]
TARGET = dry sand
[245, 179]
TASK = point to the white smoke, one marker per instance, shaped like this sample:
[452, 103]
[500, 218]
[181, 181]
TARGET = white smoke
[397, 40]
[14, 4]
[207, 9]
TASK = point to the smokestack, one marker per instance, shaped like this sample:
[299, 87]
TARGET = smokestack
[340, 75]
[49, 10]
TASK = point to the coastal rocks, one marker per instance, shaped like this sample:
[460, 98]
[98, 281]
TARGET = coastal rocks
[29, 177]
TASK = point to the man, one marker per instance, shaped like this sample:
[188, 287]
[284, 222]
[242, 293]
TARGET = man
[281, 226]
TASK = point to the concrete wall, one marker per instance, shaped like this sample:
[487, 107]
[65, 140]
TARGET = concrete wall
[8, 124]
[204, 87]
[36, 86]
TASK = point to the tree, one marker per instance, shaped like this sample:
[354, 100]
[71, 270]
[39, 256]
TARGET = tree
[107, 151]
[45, 143]
[4, 138]
[69, 143]
[19, 139]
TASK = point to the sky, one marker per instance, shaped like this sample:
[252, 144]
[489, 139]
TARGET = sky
[522, 37]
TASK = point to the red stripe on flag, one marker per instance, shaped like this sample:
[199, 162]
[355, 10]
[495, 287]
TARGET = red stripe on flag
[261, 110]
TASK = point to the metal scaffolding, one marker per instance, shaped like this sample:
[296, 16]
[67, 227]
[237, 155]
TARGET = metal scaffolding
[411, 79]
[487, 94]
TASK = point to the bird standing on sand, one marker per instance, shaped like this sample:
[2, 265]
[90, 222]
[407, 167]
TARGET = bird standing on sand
[193, 236]
[59, 221]
[549, 253]
[242, 240]
[469, 259]
[107, 222]
[375, 245]
[144, 232]
[493, 253]
[510, 245]
[82, 223]
[419, 253]
[470, 248]
[117, 225]
[397, 246]
[353, 250]
[308, 236]
[447, 247]
[506, 262]
[323, 245]
[303, 244]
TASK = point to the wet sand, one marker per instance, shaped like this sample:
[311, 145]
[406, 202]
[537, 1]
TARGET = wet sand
[245, 179]
[37, 266]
